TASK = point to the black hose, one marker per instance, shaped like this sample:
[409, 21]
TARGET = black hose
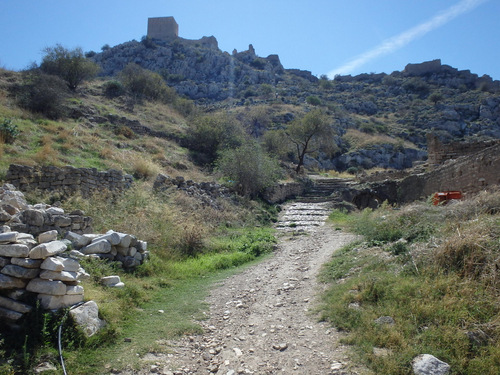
[59, 335]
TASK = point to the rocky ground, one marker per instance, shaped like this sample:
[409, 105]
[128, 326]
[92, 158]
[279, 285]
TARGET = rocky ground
[262, 320]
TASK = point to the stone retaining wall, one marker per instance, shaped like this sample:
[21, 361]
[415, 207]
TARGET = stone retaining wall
[66, 180]
[281, 192]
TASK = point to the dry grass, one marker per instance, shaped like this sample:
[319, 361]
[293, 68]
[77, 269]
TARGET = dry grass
[359, 140]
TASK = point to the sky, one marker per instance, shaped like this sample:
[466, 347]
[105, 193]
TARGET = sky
[323, 36]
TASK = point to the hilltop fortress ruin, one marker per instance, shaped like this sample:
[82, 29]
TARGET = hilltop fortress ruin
[164, 28]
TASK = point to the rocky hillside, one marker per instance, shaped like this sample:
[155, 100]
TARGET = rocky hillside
[380, 120]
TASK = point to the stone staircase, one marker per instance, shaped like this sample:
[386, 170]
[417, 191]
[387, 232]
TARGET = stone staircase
[323, 189]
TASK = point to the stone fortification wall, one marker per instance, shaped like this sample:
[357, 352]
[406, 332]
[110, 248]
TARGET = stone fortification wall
[439, 152]
[281, 192]
[66, 180]
[164, 28]
[469, 174]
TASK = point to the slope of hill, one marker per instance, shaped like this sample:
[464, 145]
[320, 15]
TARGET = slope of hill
[380, 120]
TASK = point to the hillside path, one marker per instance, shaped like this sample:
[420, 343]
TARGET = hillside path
[262, 321]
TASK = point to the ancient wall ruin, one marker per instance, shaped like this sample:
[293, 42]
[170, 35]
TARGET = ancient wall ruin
[66, 180]
[469, 174]
[164, 28]
[439, 152]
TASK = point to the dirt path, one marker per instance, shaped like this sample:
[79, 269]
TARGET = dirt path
[261, 320]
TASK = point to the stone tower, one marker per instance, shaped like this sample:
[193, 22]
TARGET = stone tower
[164, 28]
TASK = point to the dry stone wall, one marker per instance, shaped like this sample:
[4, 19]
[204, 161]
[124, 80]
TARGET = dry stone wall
[21, 217]
[36, 270]
[66, 180]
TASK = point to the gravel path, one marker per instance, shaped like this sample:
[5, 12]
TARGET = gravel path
[261, 321]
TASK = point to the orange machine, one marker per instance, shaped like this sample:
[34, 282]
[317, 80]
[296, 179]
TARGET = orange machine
[443, 197]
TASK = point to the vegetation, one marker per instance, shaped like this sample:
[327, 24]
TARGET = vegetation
[309, 134]
[249, 168]
[70, 65]
[432, 269]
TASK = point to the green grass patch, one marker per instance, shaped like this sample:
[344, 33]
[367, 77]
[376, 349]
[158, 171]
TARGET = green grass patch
[438, 284]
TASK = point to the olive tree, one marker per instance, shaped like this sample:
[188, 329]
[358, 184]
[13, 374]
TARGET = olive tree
[308, 134]
[70, 65]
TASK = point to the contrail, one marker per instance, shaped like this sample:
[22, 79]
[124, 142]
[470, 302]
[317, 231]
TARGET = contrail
[396, 42]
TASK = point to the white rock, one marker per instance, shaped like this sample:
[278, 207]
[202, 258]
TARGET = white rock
[74, 289]
[8, 282]
[14, 305]
[52, 264]
[14, 251]
[50, 302]
[20, 272]
[99, 247]
[56, 288]
[426, 364]
[8, 237]
[55, 211]
[60, 264]
[4, 229]
[87, 317]
[26, 262]
[48, 249]
[141, 246]
[113, 238]
[49, 236]
[132, 251]
[110, 280]
[77, 240]
[63, 275]
[82, 275]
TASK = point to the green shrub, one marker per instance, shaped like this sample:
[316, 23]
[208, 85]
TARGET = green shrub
[313, 100]
[42, 93]
[113, 89]
[70, 65]
[145, 84]
[8, 131]
[210, 135]
[249, 167]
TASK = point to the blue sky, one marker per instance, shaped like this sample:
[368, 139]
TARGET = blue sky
[323, 36]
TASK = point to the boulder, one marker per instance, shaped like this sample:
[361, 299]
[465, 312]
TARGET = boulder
[74, 289]
[77, 240]
[426, 364]
[8, 282]
[15, 198]
[8, 237]
[14, 251]
[63, 275]
[86, 317]
[112, 281]
[20, 272]
[60, 264]
[27, 262]
[61, 221]
[112, 237]
[10, 314]
[33, 217]
[99, 247]
[55, 211]
[49, 236]
[4, 229]
[14, 305]
[52, 287]
[4, 261]
[48, 249]
[50, 302]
